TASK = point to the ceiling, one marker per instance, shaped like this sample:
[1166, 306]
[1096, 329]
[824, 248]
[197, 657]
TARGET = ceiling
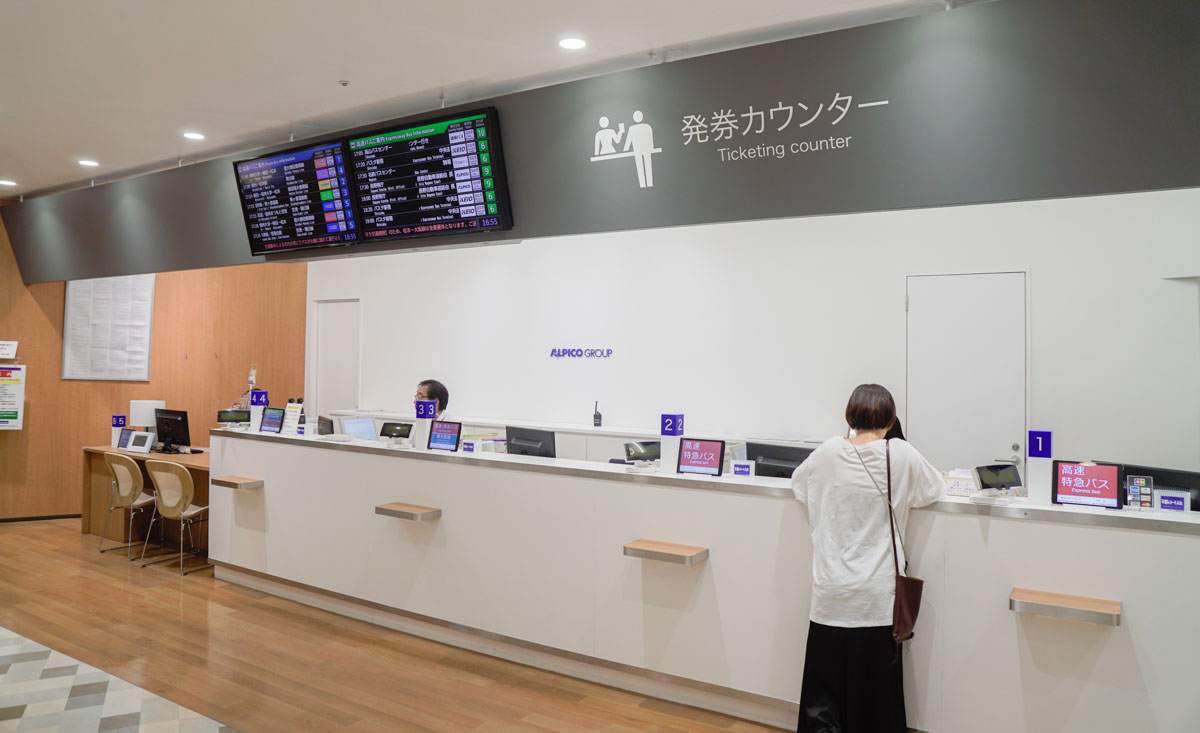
[119, 81]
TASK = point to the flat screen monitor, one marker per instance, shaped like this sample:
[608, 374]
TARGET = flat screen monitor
[359, 428]
[395, 430]
[172, 428]
[529, 442]
[272, 420]
[776, 460]
[705, 457]
[1170, 478]
[296, 199]
[233, 416]
[440, 176]
[643, 450]
[123, 440]
[1088, 484]
[998, 476]
[444, 435]
[324, 425]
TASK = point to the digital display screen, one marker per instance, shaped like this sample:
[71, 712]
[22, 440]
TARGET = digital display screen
[395, 430]
[701, 456]
[440, 177]
[140, 441]
[444, 435]
[1000, 476]
[361, 428]
[297, 199]
[123, 440]
[272, 419]
[1087, 484]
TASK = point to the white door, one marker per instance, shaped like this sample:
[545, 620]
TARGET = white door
[337, 355]
[966, 386]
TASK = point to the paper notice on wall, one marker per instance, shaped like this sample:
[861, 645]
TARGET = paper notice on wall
[106, 328]
[8, 349]
[12, 397]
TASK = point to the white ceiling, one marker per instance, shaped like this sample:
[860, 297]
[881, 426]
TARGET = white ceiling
[120, 81]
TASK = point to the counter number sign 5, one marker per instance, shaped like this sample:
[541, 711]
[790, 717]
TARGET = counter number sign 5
[118, 421]
[671, 425]
[426, 409]
[258, 398]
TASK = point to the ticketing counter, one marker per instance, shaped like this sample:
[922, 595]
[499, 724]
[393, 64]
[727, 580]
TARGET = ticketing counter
[696, 588]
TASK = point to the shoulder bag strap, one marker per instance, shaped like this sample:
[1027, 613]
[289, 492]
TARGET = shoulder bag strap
[891, 512]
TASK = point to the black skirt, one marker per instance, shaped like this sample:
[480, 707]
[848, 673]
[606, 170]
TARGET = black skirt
[852, 682]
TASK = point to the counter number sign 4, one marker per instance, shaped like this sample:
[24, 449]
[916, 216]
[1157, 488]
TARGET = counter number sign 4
[671, 425]
[258, 398]
[426, 409]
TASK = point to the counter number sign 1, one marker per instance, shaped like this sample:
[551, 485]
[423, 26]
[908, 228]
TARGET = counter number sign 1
[1039, 444]
[671, 425]
[258, 398]
[426, 409]
[118, 421]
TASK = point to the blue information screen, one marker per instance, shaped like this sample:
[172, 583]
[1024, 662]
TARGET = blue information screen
[444, 435]
[297, 199]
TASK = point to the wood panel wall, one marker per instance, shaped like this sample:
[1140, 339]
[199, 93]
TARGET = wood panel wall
[209, 327]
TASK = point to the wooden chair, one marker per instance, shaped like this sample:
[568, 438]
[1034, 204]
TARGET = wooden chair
[127, 493]
[173, 492]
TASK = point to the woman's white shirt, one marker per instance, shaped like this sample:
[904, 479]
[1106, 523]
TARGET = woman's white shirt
[853, 574]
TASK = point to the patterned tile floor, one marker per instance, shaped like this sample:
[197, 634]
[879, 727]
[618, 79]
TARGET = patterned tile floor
[42, 690]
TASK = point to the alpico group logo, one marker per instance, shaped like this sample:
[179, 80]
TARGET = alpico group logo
[570, 353]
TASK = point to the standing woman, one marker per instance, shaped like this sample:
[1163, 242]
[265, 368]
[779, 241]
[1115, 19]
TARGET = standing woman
[852, 673]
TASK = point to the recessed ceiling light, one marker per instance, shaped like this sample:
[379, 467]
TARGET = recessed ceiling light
[8, 183]
[572, 44]
[89, 163]
[193, 136]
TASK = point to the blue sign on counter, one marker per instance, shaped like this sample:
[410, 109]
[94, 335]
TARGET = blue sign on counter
[671, 425]
[426, 409]
[258, 398]
[118, 421]
[1039, 444]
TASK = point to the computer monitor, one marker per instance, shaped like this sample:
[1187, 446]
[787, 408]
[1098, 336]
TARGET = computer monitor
[1170, 478]
[776, 460]
[643, 450]
[172, 429]
[360, 428]
[530, 442]
[396, 430]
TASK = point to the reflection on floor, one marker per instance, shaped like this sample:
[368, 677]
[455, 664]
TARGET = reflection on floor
[43, 690]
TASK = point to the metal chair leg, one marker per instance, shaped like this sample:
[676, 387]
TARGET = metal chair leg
[104, 531]
[153, 516]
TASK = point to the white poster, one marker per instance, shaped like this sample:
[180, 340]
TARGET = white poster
[106, 328]
[12, 397]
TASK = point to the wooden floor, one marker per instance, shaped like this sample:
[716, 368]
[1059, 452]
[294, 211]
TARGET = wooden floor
[261, 663]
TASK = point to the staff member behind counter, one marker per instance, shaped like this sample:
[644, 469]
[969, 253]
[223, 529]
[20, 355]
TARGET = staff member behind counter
[432, 389]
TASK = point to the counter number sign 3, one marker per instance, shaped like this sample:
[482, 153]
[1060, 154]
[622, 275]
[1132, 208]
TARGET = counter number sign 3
[671, 425]
[426, 409]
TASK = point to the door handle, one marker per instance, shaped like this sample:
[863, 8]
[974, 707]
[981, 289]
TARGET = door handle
[1009, 461]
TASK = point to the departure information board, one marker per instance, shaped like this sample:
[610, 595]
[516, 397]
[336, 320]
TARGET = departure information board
[440, 177]
[297, 199]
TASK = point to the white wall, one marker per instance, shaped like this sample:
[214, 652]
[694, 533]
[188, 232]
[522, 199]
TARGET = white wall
[763, 328]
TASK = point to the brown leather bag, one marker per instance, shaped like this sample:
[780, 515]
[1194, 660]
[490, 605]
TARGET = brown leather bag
[908, 589]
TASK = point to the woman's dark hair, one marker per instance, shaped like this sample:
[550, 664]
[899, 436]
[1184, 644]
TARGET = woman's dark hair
[871, 407]
[436, 391]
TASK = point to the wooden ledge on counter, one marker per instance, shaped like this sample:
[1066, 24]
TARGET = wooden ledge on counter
[238, 482]
[1060, 605]
[666, 552]
[408, 511]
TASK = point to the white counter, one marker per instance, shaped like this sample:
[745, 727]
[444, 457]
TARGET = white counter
[527, 558]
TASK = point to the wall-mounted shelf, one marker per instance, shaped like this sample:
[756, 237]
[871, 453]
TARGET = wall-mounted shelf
[408, 511]
[1059, 605]
[666, 552]
[238, 482]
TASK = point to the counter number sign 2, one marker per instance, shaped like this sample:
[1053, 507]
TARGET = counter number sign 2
[118, 421]
[426, 409]
[671, 425]
[258, 398]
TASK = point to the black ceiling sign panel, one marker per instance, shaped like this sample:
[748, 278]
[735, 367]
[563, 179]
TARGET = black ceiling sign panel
[1003, 101]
